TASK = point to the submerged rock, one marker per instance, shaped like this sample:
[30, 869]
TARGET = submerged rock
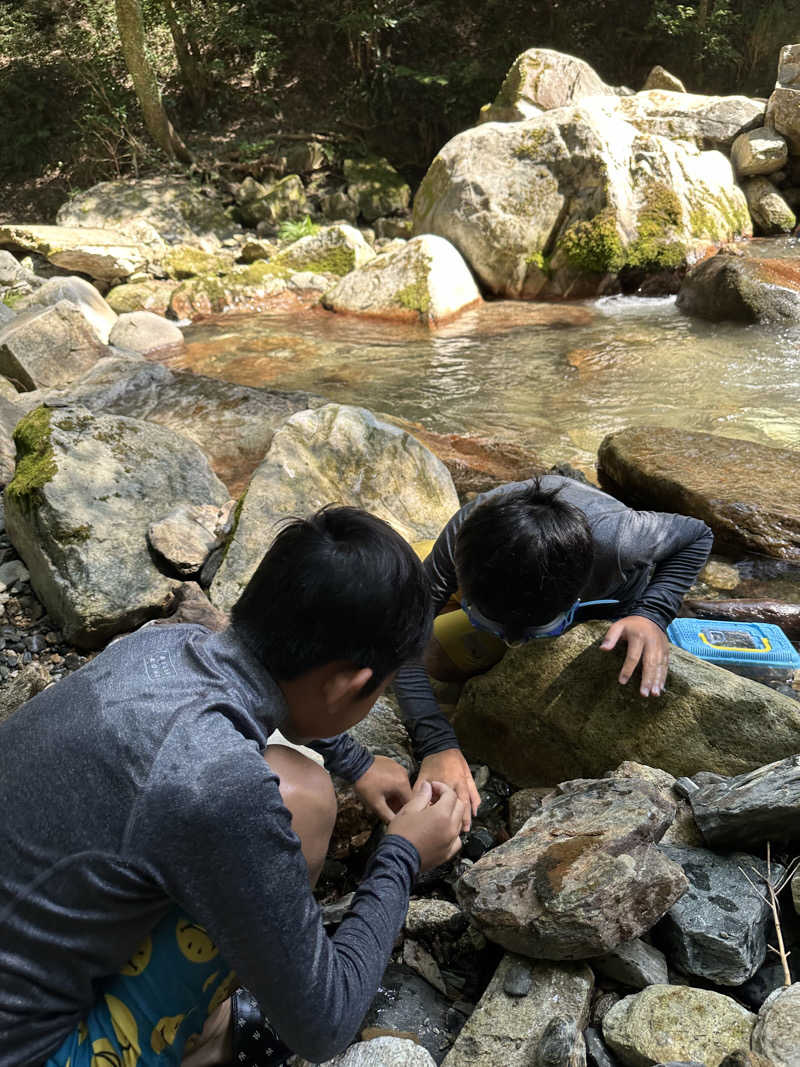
[582, 876]
[426, 280]
[85, 489]
[717, 479]
[48, 347]
[406, 1002]
[340, 454]
[553, 710]
[522, 203]
[506, 1028]
[676, 1023]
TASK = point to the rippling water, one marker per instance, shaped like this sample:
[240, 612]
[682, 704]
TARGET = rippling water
[554, 378]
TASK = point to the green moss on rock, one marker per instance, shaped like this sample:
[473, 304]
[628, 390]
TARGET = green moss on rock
[183, 261]
[655, 245]
[36, 464]
[594, 245]
[531, 146]
[433, 187]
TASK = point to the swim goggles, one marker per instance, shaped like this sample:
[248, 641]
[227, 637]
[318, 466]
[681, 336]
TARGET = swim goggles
[554, 628]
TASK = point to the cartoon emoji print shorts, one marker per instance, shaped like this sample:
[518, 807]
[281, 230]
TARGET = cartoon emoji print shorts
[152, 1012]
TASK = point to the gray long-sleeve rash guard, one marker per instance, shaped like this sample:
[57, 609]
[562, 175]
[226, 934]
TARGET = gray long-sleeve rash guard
[644, 559]
[138, 782]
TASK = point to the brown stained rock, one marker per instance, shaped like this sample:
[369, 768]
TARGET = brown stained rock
[738, 288]
[582, 876]
[787, 616]
[749, 494]
[683, 830]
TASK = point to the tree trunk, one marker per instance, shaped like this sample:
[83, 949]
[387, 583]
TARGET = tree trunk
[186, 50]
[131, 33]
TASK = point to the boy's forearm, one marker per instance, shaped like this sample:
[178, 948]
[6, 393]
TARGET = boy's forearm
[429, 729]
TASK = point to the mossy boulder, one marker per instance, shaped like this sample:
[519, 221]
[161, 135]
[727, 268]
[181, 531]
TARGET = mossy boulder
[184, 261]
[266, 207]
[554, 710]
[246, 288]
[425, 280]
[77, 510]
[336, 454]
[376, 188]
[571, 197]
[333, 250]
[542, 79]
[708, 122]
[769, 211]
[141, 296]
[175, 208]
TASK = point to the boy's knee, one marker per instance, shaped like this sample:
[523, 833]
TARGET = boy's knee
[306, 787]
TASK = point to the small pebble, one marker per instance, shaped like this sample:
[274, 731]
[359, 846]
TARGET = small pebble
[518, 981]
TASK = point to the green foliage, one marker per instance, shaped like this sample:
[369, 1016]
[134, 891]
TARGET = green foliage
[293, 230]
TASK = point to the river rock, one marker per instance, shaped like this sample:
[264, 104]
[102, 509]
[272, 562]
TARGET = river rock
[769, 211]
[506, 1028]
[582, 876]
[48, 347]
[334, 250]
[709, 122]
[232, 424]
[561, 1045]
[777, 1031]
[542, 79]
[382, 732]
[14, 278]
[174, 208]
[283, 201]
[245, 288]
[383, 1052]
[760, 151]
[407, 1003]
[431, 920]
[554, 709]
[141, 296]
[742, 289]
[100, 316]
[143, 332]
[746, 1058]
[105, 255]
[541, 224]
[32, 679]
[180, 262]
[659, 78]
[342, 455]
[77, 511]
[666, 1022]
[750, 809]
[598, 1054]
[634, 963]
[426, 280]
[683, 830]
[376, 187]
[523, 804]
[188, 534]
[716, 479]
[718, 929]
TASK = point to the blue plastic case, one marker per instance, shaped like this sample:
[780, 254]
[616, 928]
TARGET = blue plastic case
[753, 644]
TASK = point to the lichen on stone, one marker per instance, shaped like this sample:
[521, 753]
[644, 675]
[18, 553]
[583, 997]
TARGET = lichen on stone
[660, 217]
[531, 146]
[36, 464]
[594, 245]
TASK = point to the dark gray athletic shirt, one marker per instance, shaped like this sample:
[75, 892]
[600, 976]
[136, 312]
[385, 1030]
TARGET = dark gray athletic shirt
[138, 781]
[645, 559]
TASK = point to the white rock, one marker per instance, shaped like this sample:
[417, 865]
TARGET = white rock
[143, 331]
[384, 1052]
[78, 291]
[760, 151]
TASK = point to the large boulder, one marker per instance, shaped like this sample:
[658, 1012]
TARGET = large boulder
[100, 316]
[554, 205]
[174, 208]
[105, 255]
[676, 1023]
[84, 492]
[710, 122]
[512, 1015]
[425, 280]
[759, 151]
[718, 479]
[49, 347]
[232, 424]
[334, 250]
[542, 79]
[336, 454]
[376, 188]
[740, 288]
[143, 332]
[246, 288]
[554, 709]
[582, 876]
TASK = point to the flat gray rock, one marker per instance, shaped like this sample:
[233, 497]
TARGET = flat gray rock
[48, 347]
[750, 809]
[144, 332]
[635, 964]
[582, 876]
[718, 929]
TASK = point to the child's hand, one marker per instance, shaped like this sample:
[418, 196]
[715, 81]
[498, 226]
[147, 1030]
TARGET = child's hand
[450, 767]
[431, 821]
[384, 788]
[646, 642]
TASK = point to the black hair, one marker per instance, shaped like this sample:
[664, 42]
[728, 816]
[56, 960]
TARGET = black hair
[339, 585]
[523, 557]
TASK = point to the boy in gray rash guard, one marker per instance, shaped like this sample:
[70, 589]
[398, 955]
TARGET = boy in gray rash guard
[528, 560]
[142, 808]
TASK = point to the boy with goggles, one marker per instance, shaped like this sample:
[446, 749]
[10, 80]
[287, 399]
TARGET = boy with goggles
[529, 560]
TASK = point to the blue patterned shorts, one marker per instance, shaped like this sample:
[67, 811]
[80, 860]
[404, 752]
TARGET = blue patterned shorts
[152, 1012]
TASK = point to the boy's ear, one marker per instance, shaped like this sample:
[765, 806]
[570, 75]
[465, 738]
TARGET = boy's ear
[345, 686]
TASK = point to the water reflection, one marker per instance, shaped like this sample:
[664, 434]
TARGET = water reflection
[554, 378]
